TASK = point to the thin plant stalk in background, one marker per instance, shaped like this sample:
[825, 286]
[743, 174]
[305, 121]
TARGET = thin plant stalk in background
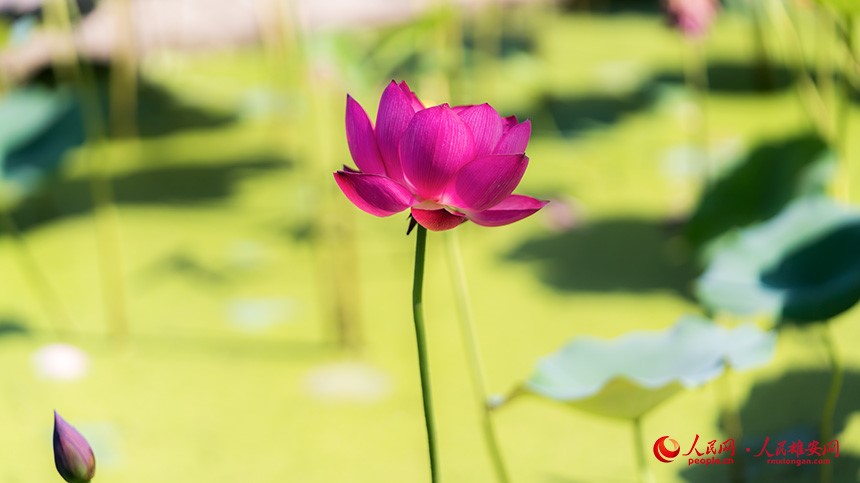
[61, 14]
[829, 411]
[39, 282]
[642, 452]
[473, 354]
[693, 18]
[846, 98]
[335, 251]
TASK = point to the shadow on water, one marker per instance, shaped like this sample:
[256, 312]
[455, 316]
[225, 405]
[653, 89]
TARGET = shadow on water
[573, 115]
[186, 265]
[621, 254]
[10, 326]
[160, 112]
[788, 408]
[609, 7]
[175, 185]
[737, 78]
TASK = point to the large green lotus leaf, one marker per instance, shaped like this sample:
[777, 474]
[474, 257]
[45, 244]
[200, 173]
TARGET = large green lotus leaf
[801, 266]
[627, 376]
[40, 126]
[761, 185]
[821, 278]
[27, 113]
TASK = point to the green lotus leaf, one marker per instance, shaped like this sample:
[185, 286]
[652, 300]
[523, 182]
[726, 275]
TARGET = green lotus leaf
[28, 113]
[801, 266]
[628, 376]
[761, 185]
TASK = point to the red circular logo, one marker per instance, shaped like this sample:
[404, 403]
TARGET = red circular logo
[666, 449]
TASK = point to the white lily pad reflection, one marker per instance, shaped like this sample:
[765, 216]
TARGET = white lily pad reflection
[627, 376]
[734, 280]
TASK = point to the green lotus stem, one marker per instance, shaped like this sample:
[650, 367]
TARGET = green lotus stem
[810, 98]
[764, 71]
[473, 351]
[421, 341]
[38, 280]
[645, 475]
[696, 76]
[829, 411]
[123, 76]
[61, 13]
[731, 417]
[844, 114]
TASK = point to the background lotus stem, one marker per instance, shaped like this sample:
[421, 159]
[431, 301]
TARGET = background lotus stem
[844, 114]
[333, 228]
[807, 91]
[34, 274]
[696, 77]
[764, 76]
[421, 341]
[829, 411]
[645, 475]
[473, 353]
[60, 14]
[732, 423]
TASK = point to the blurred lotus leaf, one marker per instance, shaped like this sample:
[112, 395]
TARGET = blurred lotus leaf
[801, 266]
[628, 376]
[760, 186]
[39, 127]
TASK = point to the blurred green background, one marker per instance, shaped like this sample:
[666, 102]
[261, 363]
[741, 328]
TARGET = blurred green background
[242, 321]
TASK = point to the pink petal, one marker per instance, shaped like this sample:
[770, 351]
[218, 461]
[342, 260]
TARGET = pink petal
[361, 140]
[513, 208]
[417, 105]
[486, 127]
[375, 194]
[510, 122]
[395, 112]
[515, 139]
[488, 180]
[433, 148]
[437, 220]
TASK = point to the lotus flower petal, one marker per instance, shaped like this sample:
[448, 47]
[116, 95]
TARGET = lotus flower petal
[449, 164]
[513, 208]
[488, 180]
[361, 140]
[395, 111]
[515, 139]
[377, 195]
[437, 220]
[434, 147]
[486, 127]
[417, 105]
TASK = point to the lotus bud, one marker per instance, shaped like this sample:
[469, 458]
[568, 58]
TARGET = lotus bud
[72, 454]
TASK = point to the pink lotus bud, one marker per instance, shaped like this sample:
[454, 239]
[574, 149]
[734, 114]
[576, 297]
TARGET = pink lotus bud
[691, 17]
[72, 454]
[446, 164]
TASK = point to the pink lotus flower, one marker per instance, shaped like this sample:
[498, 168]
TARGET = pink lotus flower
[447, 164]
[691, 17]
